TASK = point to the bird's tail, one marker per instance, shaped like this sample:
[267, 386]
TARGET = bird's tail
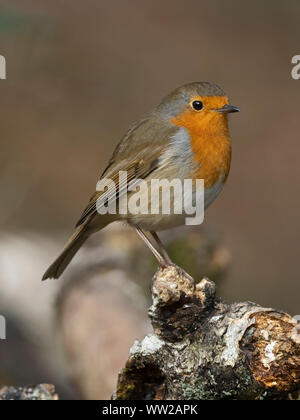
[75, 242]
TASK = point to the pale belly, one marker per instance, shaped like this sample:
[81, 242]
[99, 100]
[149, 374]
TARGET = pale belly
[161, 221]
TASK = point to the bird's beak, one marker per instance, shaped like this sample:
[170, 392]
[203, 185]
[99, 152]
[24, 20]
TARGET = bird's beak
[228, 109]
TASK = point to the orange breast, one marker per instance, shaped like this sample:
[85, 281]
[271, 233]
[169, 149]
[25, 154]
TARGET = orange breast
[213, 155]
[210, 142]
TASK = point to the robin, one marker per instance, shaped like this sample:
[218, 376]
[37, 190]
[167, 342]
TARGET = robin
[186, 136]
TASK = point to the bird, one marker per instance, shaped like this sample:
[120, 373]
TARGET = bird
[185, 137]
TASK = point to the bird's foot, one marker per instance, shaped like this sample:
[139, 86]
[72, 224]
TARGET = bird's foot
[179, 269]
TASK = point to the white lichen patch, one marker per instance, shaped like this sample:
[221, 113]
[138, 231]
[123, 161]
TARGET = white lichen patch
[135, 347]
[269, 354]
[235, 332]
[265, 334]
[216, 318]
[151, 344]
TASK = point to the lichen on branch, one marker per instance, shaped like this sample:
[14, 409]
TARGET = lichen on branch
[202, 348]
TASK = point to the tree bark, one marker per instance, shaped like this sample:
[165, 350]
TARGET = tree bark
[36, 392]
[203, 348]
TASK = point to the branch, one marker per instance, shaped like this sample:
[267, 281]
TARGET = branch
[202, 348]
[37, 392]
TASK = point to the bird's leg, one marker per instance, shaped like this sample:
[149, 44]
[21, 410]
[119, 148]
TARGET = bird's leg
[166, 256]
[161, 247]
[164, 259]
[152, 248]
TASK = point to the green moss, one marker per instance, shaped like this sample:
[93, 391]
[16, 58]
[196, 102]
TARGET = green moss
[196, 391]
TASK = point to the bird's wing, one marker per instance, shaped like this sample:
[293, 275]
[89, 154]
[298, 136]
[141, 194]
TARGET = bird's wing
[135, 171]
[138, 157]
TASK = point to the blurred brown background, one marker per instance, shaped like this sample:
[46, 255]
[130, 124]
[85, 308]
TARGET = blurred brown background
[79, 72]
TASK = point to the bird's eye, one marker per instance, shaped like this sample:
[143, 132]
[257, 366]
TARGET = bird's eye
[197, 105]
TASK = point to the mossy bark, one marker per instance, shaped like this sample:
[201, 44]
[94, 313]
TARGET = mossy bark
[202, 348]
[36, 392]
